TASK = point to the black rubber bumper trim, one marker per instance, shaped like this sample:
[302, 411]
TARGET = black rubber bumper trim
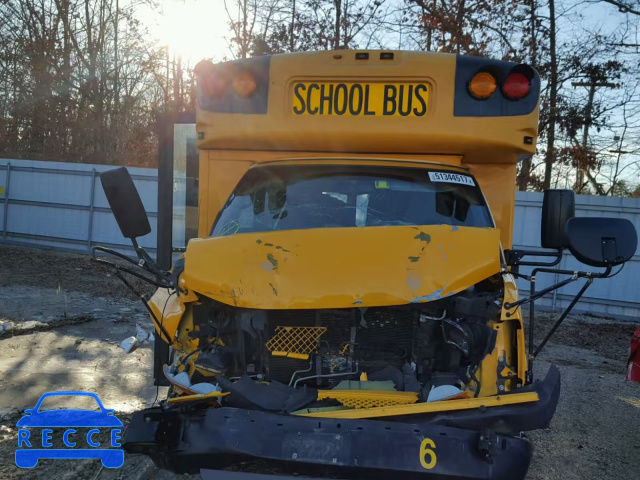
[349, 449]
[207, 474]
[512, 419]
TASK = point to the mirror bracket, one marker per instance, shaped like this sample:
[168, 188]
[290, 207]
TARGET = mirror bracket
[533, 296]
[513, 258]
[161, 281]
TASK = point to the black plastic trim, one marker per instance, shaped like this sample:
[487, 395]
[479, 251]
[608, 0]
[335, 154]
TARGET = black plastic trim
[467, 446]
[228, 101]
[464, 105]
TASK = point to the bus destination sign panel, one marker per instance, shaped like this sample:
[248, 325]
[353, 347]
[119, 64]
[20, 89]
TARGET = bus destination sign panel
[361, 99]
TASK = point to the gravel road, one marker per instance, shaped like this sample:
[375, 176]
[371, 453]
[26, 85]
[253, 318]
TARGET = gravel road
[79, 316]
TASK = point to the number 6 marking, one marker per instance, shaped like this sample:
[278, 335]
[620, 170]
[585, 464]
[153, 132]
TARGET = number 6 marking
[428, 452]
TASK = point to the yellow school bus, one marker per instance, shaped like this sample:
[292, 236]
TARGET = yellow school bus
[350, 306]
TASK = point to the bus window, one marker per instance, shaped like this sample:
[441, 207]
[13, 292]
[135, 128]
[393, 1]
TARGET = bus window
[295, 197]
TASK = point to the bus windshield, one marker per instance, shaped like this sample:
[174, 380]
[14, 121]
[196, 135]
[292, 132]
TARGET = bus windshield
[297, 197]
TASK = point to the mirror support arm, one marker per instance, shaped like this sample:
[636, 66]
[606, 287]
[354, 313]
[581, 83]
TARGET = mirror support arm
[148, 263]
[575, 275]
[562, 317]
[161, 328]
[160, 280]
[513, 258]
[533, 296]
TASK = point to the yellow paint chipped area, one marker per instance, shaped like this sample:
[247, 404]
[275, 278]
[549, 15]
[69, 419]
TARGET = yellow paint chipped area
[341, 267]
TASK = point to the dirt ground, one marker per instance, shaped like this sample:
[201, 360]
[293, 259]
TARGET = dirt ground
[73, 317]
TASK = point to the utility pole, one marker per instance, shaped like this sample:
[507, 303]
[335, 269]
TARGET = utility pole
[580, 172]
[550, 155]
[525, 167]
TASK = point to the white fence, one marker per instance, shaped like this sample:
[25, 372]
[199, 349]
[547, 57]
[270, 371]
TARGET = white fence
[62, 206]
[618, 296]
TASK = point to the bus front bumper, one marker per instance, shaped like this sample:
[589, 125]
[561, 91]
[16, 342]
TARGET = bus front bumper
[435, 448]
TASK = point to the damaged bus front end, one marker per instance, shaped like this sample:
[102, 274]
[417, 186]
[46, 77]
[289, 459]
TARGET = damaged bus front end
[356, 316]
[359, 349]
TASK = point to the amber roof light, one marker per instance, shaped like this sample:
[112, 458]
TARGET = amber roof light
[244, 84]
[482, 85]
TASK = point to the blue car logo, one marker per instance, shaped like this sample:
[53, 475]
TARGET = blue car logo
[32, 447]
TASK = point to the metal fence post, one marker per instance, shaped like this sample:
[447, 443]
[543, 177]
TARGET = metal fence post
[6, 201]
[91, 204]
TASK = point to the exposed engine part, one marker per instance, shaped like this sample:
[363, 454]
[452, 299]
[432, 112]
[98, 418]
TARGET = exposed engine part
[215, 359]
[417, 346]
[245, 393]
[293, 375]
[424, 317]
[328, 375]
[295, 342]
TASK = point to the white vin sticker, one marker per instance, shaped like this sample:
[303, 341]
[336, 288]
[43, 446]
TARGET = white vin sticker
[451, 178]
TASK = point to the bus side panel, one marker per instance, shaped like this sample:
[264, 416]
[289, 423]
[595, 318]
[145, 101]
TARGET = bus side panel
[498, 183]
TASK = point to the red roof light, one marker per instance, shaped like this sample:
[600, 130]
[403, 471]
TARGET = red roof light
[516, 86]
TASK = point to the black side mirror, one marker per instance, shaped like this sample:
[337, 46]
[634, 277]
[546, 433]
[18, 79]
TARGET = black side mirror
[601, 242]
[125, 203]
[558, 206]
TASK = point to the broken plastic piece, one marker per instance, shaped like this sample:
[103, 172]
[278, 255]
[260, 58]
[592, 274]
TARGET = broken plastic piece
[442, 392]
[144, 333]
[180, 381]
[6, 327]
[205, 387]
[130, 344]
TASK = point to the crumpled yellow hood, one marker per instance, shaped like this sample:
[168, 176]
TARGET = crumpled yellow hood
[341, 267]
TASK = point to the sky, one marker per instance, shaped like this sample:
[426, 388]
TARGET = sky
[197, 29]
[194, 29]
